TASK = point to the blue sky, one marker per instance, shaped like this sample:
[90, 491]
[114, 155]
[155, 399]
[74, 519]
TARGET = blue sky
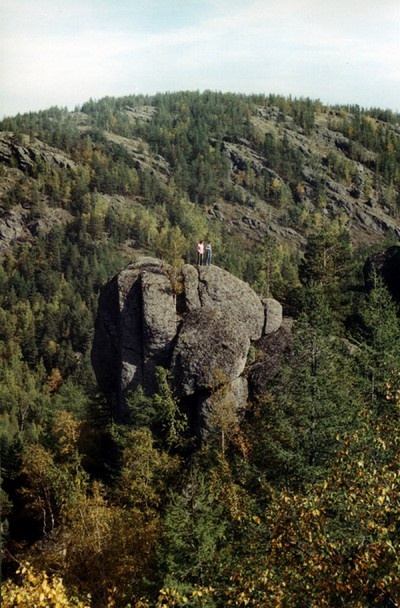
[63, 53]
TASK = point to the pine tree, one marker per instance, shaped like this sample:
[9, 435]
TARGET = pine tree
[312, 402]
[378, 340]
[193, 533]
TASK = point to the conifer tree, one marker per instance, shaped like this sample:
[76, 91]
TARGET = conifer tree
[378, 340]
[193, 531]
[311, 403]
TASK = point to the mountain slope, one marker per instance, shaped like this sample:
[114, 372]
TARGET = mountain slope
[252, 165]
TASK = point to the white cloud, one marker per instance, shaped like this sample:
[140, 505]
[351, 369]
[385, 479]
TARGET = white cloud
[54, 52]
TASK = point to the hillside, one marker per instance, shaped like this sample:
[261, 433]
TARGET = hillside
[180, 435]
[251, 165]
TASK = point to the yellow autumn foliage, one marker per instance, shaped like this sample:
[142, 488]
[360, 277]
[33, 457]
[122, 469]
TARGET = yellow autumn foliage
[39, 590]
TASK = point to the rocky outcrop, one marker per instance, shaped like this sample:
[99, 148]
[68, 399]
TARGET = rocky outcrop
[202, 335]
[17, 225]
[273, 315]
[213, 286]
[272, 349]
[135, 328]
[25, 154]
[140, 155]
[12, 226]
[210, 340]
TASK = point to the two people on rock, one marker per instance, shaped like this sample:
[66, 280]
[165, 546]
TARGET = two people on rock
[200, 253]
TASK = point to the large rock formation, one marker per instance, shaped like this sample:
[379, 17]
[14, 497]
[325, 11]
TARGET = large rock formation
[272, 349]
[200, 328]
[135, 329]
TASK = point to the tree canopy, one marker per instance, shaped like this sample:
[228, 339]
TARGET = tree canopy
[295, 501]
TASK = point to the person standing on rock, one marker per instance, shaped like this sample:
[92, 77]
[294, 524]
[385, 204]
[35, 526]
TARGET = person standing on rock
[208, 253]
[200, 253]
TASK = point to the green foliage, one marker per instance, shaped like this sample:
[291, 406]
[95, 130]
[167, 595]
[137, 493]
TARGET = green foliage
[378, 339]
[72, 398]
[307, 409]
[272, 269]
[193, 531]
[159, 412]
[327, 257]
[142, 410]
[293, 504]
[173, 423]
[24, 396]
[337, 539]
[303, 114]
[328, 272]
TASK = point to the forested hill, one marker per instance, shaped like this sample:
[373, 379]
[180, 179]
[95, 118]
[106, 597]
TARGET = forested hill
[251, 165]
[294, 502]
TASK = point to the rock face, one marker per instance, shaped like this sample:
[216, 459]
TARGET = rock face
[272, 349]
[201, 335]
[135, 329]
[26, 154]
[209, 341]
[273, 315]
[213, 286]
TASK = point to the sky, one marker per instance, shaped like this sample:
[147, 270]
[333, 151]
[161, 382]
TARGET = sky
[63, 53]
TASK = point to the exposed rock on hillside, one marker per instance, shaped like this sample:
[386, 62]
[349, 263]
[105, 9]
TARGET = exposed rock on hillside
[20, 219]
[273, 176]
[202, 335]
[27, 153]
[12, 226]
[17, 224]
[142, 158]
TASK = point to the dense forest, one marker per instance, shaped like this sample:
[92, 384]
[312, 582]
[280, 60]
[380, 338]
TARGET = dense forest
[300, 505]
